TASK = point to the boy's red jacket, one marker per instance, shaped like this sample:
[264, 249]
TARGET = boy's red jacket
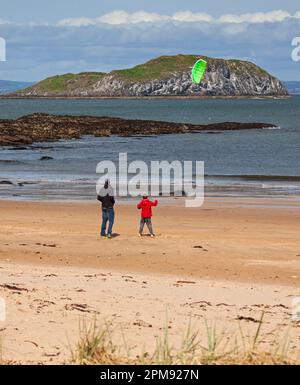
[146, 206]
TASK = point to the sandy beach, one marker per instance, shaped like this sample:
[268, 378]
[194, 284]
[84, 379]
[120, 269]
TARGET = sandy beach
[224, 262]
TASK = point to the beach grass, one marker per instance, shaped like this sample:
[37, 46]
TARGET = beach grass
[96, 347]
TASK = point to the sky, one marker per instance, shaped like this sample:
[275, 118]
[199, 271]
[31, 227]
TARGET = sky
[45, 38]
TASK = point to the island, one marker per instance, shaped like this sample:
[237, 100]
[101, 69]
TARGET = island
[165, 76]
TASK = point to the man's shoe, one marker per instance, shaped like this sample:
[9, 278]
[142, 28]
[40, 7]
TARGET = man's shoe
[109, 236]
[152, 235]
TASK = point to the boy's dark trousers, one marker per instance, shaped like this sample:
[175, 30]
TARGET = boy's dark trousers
[148, 222]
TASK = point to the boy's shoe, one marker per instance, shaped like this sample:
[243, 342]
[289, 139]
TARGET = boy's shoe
[152, 235]
[109, 236]
[140, 235]
[103, 236]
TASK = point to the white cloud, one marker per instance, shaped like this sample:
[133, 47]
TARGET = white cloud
[258, 17]
[191, 17]
[115, 18]
[123, 18]
[76, 22]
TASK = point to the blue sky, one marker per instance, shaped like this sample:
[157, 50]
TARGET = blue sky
[45, 38]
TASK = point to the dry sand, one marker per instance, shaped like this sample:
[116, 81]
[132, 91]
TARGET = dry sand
[231, 258]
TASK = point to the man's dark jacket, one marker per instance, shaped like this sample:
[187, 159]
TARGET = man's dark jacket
[107, 200]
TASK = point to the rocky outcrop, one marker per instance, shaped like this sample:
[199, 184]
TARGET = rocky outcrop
[43, 127]
[167, 76]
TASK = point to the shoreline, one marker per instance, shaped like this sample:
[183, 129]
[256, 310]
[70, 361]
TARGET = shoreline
[272, 201]
[254, 97]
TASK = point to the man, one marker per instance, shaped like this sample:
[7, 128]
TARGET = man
[106, 197]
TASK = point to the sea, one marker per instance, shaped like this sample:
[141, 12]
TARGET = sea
[247, 163]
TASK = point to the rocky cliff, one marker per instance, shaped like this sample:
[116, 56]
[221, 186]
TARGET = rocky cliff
[164, 76]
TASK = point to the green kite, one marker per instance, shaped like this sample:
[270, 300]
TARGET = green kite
[198, 71]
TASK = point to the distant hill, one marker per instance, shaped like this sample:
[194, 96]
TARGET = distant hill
[164, 76]
[293, 87]
[7, 86]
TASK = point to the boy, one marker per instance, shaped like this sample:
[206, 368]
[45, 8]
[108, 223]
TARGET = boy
[146, 206]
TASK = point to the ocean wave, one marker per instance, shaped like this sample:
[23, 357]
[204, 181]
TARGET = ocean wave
[274, 178]
[272, 128]
[10, 161]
